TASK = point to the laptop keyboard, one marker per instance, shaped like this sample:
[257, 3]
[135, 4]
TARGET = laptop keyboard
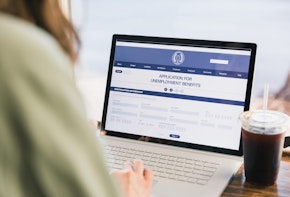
[165, 166]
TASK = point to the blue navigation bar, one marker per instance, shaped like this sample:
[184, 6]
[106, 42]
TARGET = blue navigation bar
[188, 70]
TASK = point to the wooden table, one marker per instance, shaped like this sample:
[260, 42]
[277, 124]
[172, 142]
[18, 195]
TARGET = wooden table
[239, 187]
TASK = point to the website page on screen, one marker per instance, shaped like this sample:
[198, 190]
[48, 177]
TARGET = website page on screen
[190, 94]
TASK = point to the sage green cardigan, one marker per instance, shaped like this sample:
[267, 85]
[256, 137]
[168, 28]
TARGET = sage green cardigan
[47, 147]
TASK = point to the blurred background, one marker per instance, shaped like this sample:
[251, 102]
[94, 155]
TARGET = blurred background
[265, 22]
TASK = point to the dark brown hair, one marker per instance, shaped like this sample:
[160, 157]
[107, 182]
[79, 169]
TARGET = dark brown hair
[48, 15]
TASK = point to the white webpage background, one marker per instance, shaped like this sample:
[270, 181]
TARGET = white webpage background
[198, 122]
[210, 86]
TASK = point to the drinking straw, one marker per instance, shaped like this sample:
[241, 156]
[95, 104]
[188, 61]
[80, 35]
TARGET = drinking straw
[266, 95]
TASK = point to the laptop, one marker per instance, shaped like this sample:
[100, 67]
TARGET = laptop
[175, 103]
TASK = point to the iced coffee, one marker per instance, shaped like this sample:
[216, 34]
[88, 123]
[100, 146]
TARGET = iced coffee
[263, 134]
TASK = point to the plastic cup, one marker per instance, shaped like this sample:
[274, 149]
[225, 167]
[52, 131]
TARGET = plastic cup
[263, 134]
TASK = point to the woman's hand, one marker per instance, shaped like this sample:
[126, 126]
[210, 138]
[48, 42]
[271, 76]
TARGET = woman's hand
[134, 179]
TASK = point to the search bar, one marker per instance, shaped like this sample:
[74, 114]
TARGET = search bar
[219, 61]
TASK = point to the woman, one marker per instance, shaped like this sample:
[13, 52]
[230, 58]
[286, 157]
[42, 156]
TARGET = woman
[46, 146]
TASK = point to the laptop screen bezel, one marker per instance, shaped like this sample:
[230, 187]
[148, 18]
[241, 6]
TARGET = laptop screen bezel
[181, 42]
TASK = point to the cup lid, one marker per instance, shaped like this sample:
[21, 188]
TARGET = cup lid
[264, 121]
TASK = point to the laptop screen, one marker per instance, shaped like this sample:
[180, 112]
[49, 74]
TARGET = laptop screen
[184, 92]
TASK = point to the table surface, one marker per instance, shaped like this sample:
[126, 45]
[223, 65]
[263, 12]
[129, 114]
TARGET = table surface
[239, 187]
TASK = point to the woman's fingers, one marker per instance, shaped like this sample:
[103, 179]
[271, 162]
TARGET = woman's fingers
[148, 174]
[138, 166]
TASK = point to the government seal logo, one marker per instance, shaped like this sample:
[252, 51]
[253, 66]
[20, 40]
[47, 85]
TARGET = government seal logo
[178, 58]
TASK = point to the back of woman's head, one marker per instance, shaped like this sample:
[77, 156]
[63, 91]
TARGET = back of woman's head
[48, 15]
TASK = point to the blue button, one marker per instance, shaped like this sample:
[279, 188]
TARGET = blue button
[118, 71]
[174, 136]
